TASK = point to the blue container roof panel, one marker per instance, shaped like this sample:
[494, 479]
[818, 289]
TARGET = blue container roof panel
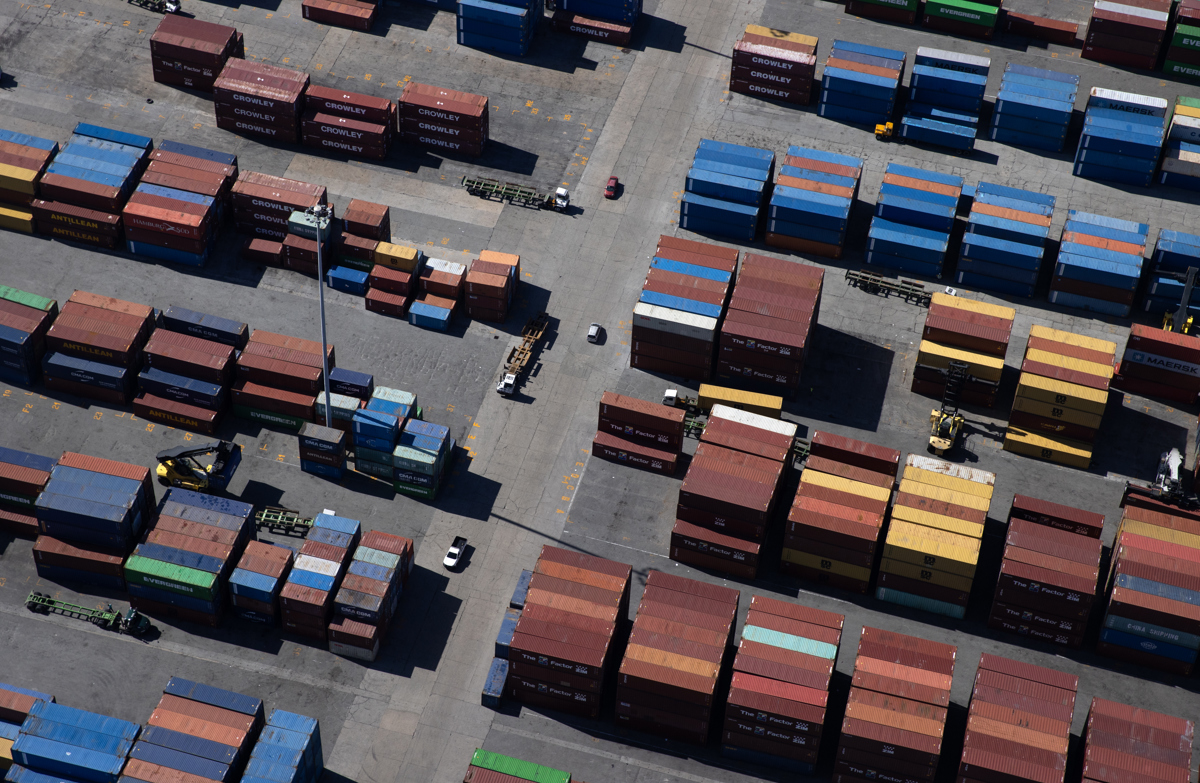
[782, 208]
[252, 579]
[109, 134]
[861, 78]
[178, 195]
[1019, 205]
[26, 140]
[766, 156]
[183, 762]
[867, 59]
[679, 303]
[210, 503]
[801, 194]
[818, 176]
[88, 739]
[1105, 232]
[1007, 94]
[1127, 273]
[935, 211]
[1036, 234]
[797, 151]
[224, 158]
[745, 210]
[913, 194]
[60, 757]
[292, 721]
[922, 174]
[112, 157]
[1015, 193]
[874, 51]
[94, 164]
[926, 237]
[37, 462]
[1166, 235]
[1109, 222]
[88, 176]
[1077, 249]
[1040, 87]
[1147, 124]
[213, 696]
[1041, 73]
[929, 112]
[684, 268]
[744, 172]
[954, 81]
[186, 743]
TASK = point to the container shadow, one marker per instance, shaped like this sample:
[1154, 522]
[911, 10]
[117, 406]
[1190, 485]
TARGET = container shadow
[838, 354]
[418, 16]
[421, 635]
[473, 495]
[655, 32]
[550, 51]
[1139, 436]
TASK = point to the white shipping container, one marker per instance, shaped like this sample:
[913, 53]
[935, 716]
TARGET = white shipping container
[950, 469]
[753, 420]
[1131, 10]
[955, 61]
[1185, 128]
[1184, 168]
[664, 319]
[1145, 105]
[449, 267]
[316, 565]
[350, 651]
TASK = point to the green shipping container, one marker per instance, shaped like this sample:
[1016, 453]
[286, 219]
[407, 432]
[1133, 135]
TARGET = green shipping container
[382, 457]
[1186, 37]
[376, 557]
[29, 300]
[526, 770]
[168, 576]
[428, 493]
[1183, 100]
[901, 5]
[963, 11]
[789, 641]
[269, 417]
[18, 501]
[372, 468]
[1182, 69]
[356, 263]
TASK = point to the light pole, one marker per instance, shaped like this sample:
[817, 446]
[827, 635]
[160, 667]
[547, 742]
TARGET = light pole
[321, 213]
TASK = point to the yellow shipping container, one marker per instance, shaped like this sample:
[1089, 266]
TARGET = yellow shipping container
[16, 219]
[825, 564]
[937, 521]
[955, 483]
[816, 478]
[1187, 111]
[781, 35]
[1064, 451]
[1070, 363]
[972, 306]
[1051, 411]
[925, 574]
[922, 546]
[1070, 395]
[1070, 338]
[945, 495]
[763, 404]
[980, 365]
[400, 257]
[18, 180]
[1159, 533]
[6, 758]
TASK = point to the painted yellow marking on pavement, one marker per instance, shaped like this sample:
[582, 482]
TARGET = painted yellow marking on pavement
[564, 497]
[367, 77]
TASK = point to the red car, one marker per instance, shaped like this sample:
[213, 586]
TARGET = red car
[610, 191]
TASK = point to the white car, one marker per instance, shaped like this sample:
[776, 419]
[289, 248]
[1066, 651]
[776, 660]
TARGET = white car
[594, 333]
[455, 553]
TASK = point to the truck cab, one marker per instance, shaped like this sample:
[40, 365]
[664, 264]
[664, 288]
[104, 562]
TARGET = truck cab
[507, 384]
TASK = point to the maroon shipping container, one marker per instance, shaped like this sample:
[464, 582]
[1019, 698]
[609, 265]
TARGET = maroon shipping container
[314, 136]
[385, 303]
[279, 374]
[595, 29]
[965, 29]
[904, 689]
[22, 480]
[1118, 742]
[305, 600]
[430, 140]
[1052, 541]
[367, 108]
[881, 740]
[644, 334]
[614, 449]
[741, 492]
[1139, 658]
[919, 587]
[61, 554]
[1033, 618]
[1016, 750]
[56, 213]
[854, 452]
[961, 334]
[1154, 609]
[565, 679]
[751, 707]
[836, 468]
[254, 395]
[662, 681]
[679, 614]
[750, 85]
[560, 697]
[288, 355]
[1042, 29]
[745, 438]
[189, 544]
[1044, 512]
[721, 523]
[75, 336]
[835, 497]
[199, 530]
[19, 525]
[940, 507]
[774, 670]
[177, 414]
[1027, 690]
[1029, 671]
[633, 432]
[852, 762]
[561, 656]
[156, 609]
[987, 767]
[1180, 727]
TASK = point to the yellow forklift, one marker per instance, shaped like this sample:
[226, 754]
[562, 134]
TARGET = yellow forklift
[946, 423]
[181, 466]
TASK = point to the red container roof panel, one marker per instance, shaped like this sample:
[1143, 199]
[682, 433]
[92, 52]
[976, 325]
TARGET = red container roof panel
[680, 614]
[804, 614]
[680, 630]
[1078, 549]
[991, 718]
[711, 452]
[1007, 765]
[110, 467]
[1023, 687]
[1051, 562]
[904, 689]
[773, 670]
[1140, 732]
[1028, 671]
[1157, 546]
[989, 743]
[560, 650]
[739, 440]
[1015, 701]
[564, 618]
[585, 561]
[899, 671]
[787, 625]
[728, 254]
[673, 644]
[695, 602]
[897, 704]
[783, 655]
[897, 720]
[1058, 511]
[1045, 576]
[680, 584]
[1171, 521]
[839, 498]
[1145, 750]
[940, 508]
[760, 702]
[583, 592]
[664, 675]
[947, 652]
[1156, 770]
[891, 735]
[837, 468]
[1156, 720]
[827, 441]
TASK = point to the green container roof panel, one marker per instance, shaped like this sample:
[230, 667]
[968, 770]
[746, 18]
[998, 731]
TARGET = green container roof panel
[1183, 100]
[25, 298]
[790, 642]
[1186, 37]
[155, 573]
[526, 770]
[972, 13]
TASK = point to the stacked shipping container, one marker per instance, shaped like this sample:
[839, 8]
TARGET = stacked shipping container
[94, 347]
[896, 713]
[774, 64]
[353, 14]
[15, 704]
[560, 652]
[1123, 134]
[765, 336]
[624, 12]
[260, 99]
[1005, 242]
[288, 750]
[1151, 617]
[263, 203]
[638, 433]
[930, 563]
[1127, 34]
[349, 122]
[70, 743]
[1099, 263]
[422, 457]
[723, 202]
[1041, 28]
[393, 279]
[837, 516]
[945, 98]
[897, 11]
[811, 202]
[1049, 573]
[1064, 389]
[323, 451]
[914, 215]
[860, 83]
[23, 477]
[308, 597]
[443, 119]
[729, 493]
[1033, 107]
[1159, 363]
[187, 52]
[1019, 722]
[284, 391]
[1120, 741]
[775, 711]
[963, 330]
[366, 602]
[489, 767]
[23, 162]
[1182, 153]
[489, 290]
[595, 29]
[698, 287]
[1181, 58]
[255, 583]
[667, 682]
[24, 320]
[960, 17]
[672, 341]
[505, 27]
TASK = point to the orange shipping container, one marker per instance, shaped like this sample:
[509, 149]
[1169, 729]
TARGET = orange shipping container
[582, 576]
[568, 604]
[197, 728]
[194, 709]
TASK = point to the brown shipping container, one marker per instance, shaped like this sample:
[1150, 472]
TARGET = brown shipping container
[881, 740]
[572, 573]
[995, 768]
[113, 396]
[204, 712]
[662, 681]
[1015, 750]
[197, 728]
[81, 218]
[614, 449]
[1172, 758]
[98, 560]
[966, 335]
[265, 398]
[279, 374]
[583, 592]
[905, 689]
[187, 527]
[56, 187]
[177, 414]
[1139, 658]
[762, 667]
[863, 455]
[1156, 720]
[385, 303]
[82, 342]
[368, 108]
[559, 617]
[1154, 609]
[561, 656]
[153, 773]
[1044, 512]
[787, 625]
[1046, 621]
[565, 679]
[682, 552]
[679, 614]
[750, 707]
[786, 657]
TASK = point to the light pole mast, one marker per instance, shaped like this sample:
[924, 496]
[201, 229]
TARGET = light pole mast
[321, 213]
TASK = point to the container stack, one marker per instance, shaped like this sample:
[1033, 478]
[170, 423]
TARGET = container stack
[263, 204]
[323, 451]
[260, 99]
[285, 393]
[929, 563]
[1033, 107]
[960, 17]
[351, 14]
[1005, 242]
[289, 747]
[638, 433]
[1161, 364]
[442, 119]
[1122, 137]
[774, 64]
[189, 364]
[375, 446]
[624, 12]
[307, 599]
[1151, 619]
[765, 334]
[187, 52]
[729, 493]
[66, 743]
[422, 458]
[594, 29]
[671, 341]
[23, 477]
[999, 744]
[24, 320]
[560, 653]
[1099, 263]
[775, 712]
[968, 331]
[1181, 58]
[811, 202]
[441, 284]
[945, 99]
[506, 27]
[394, 279]
[913, 219]
[1180, 157]
[726, 204]
[364, 227]
[895, 11]
[358, 125]
[489, 291]
[1126, 34]
[896, 713]
[487, 766]
[94, 347]
[366, 602]
[837, 517]
[22, 168]
[1064, 387]
[180, 569]
[1118, 737]
[667, 682]
[860, 83]
[255, 584]
[1049, 573]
